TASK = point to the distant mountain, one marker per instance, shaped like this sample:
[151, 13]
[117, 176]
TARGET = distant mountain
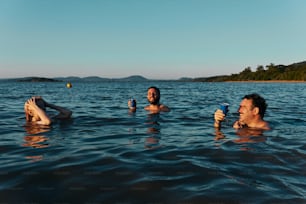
[100, 79]
[133, 78]
[95, 79]
[71, 78]
[37, 79]
[185, 79]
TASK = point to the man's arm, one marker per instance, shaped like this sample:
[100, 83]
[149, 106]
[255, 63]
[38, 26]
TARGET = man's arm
[63, 112]
[44, 118]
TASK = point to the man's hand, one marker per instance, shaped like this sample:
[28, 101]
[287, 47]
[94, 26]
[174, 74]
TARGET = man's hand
[219, 117]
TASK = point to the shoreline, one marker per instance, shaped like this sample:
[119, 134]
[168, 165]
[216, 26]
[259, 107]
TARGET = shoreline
[269, 81]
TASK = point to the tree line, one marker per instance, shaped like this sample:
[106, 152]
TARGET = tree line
[293, 72]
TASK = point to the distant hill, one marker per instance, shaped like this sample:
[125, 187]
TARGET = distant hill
[100, 79]
[95, 79]
[185, 79]
[134, 78]
[37, 79]
[71, 78]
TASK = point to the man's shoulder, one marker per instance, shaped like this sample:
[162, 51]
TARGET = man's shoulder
[164, 108]
[265, 125]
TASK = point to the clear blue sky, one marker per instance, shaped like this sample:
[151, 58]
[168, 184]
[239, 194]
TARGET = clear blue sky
[158, 39]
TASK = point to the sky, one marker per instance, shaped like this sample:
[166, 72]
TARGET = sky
[158, 39]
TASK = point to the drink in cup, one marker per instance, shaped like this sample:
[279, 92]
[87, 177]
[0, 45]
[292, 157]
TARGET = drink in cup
[224, 107]
[132, 104]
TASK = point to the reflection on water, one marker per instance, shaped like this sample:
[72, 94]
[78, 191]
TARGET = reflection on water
[244, 135]
[153, 131]
[35, 158]
[249, 132]
[101, 155]
[152, 142]
[219, 134]
[33, 129]
[250, 139]
[35, 139]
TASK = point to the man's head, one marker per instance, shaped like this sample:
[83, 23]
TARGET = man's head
[153, 95]
[251, 106]
[257, 102]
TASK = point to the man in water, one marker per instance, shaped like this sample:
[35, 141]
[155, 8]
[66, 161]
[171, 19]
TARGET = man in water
[35, 111]
[153, 96]
[251, 112]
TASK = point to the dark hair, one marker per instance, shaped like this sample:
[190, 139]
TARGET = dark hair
[40, 103]
[258, 102]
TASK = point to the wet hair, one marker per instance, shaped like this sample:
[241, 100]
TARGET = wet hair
[258, 102]
[40, 103]
[157, 90]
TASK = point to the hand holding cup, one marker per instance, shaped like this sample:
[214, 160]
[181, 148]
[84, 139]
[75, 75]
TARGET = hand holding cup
[224, 108]
[132, 104]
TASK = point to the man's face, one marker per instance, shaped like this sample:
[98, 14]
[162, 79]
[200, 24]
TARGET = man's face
[245, 111]
[153, 96]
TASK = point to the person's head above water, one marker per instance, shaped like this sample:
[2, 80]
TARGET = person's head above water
[251, 111]
[153, 95]
[35, 111]
[257, 102]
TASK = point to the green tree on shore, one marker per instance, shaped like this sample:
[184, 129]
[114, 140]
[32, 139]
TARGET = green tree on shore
[293, 72]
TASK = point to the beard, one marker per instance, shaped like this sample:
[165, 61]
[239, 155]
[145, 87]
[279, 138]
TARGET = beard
[154, 101]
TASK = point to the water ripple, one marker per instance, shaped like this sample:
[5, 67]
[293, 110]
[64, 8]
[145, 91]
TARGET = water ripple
[105, 154]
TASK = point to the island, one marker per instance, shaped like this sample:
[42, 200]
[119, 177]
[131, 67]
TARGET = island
[38, 79]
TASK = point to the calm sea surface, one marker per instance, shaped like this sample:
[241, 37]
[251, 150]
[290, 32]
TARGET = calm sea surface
[105, 154]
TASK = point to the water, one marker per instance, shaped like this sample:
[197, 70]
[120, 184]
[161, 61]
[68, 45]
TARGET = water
[105, 154]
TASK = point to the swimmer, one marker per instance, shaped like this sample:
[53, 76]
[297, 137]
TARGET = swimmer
[35, 111]
[153, 96]
[251, 112]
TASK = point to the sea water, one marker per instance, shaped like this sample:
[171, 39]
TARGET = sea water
[106, 154]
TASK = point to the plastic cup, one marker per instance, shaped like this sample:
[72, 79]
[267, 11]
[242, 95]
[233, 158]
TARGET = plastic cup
[132, 103]
[224, 107]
